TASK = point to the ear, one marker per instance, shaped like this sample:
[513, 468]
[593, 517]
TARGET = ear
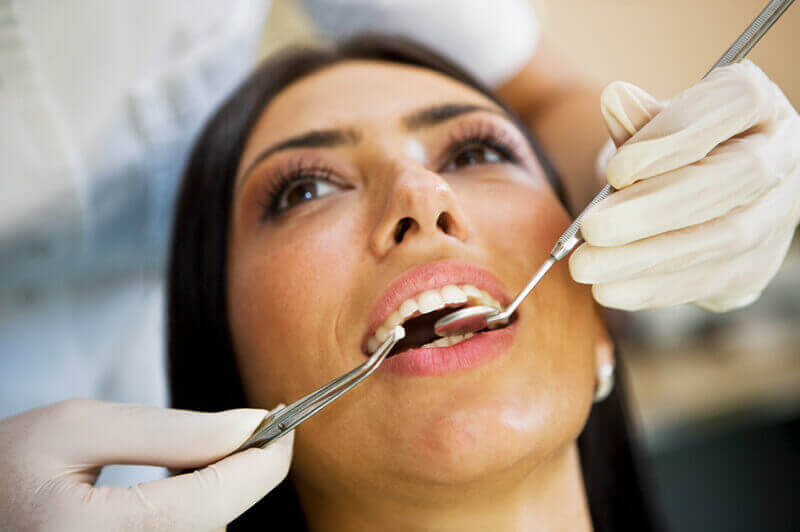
[603, 345]
[603, 359]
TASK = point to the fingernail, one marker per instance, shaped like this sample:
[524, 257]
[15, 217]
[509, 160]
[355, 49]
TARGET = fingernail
[617, 131]
[626, 109]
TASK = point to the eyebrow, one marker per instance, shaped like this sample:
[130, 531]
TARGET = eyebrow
[321, 138]
[436, 114]
[332, 138]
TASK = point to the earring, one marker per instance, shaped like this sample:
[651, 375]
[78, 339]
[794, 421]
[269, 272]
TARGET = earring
[604, 383]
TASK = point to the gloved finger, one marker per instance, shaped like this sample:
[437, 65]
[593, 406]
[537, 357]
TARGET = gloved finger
[101, 432]
[216, 495]
[730, 235]
[745, 274]
[205, 499]
[626, 109]
[727, 303]
[733, 174]
[731, 100]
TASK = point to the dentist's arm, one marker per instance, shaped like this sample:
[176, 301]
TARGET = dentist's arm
[562, 111]
[50, 458]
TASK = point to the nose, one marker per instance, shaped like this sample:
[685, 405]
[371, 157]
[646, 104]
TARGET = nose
[419, 207]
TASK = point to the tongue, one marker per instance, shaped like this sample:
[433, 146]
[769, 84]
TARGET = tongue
[419, 331]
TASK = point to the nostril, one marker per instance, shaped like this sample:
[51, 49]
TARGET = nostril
[445, 223]
[402, 228]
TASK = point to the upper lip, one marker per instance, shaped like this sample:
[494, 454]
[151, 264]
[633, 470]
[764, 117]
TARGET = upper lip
[428, 276]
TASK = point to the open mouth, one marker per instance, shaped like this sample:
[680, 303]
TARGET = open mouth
[419, 313]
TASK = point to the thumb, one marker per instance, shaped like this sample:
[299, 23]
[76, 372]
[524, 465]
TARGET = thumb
[211, 497]
[214, 496]
[626, 109]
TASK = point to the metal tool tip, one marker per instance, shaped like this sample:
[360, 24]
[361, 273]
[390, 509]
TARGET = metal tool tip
[399, 333]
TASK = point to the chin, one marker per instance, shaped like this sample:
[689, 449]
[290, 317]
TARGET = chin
[484, 437]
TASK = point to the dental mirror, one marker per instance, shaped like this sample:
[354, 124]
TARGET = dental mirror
[474, 319]
[465, 320]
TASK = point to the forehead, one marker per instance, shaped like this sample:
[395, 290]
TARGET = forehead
[357, 94]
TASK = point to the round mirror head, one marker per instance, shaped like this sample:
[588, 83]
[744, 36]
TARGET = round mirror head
[465, 320]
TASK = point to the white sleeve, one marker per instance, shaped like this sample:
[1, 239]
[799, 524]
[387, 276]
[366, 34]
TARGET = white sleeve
[116, 109]
[491, 39]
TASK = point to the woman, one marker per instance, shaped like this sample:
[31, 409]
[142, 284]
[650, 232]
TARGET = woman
[331, 189]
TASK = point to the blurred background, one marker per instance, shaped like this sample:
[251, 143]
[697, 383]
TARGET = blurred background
[716, 398]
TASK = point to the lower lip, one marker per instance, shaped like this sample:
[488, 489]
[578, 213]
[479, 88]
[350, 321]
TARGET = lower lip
[463, 356]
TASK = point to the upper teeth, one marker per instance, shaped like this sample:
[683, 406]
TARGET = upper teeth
[429, 301]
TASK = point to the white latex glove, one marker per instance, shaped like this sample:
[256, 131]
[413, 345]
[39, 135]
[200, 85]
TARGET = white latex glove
[709, 199]
[50, 458]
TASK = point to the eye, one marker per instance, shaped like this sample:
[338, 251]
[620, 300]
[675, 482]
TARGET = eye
[304, 190]
[475, 153]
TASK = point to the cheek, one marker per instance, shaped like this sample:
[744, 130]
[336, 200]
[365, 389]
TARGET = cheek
[527, 218]
[285, 297]
[558, 314]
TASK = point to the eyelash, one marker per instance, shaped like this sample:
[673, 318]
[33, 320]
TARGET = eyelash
[483, 134]
[295, 172]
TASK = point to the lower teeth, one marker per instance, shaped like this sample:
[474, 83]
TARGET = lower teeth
[447, 341]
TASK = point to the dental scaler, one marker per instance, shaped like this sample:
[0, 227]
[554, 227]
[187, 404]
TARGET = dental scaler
[473, 319]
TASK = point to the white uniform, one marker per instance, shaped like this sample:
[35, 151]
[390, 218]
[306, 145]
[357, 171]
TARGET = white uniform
[99, 103]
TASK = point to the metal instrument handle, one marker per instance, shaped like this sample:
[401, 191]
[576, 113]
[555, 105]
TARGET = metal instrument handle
[282, 421]
[760, 25]
[572, 237]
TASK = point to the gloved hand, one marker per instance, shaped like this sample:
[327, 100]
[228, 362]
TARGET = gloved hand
[50, 458]
[709, 199]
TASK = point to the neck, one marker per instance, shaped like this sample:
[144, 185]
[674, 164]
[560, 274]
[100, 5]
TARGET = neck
[551, 497]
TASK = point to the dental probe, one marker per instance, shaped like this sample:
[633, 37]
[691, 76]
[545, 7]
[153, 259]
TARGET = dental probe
[282, 421]
[473, 319]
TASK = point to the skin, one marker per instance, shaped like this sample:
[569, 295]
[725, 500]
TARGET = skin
[561, 109]
[494, 445]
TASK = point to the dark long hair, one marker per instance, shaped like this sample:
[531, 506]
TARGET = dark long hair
[202, 367]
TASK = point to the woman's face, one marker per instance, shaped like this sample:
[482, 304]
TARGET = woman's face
[364, 186]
